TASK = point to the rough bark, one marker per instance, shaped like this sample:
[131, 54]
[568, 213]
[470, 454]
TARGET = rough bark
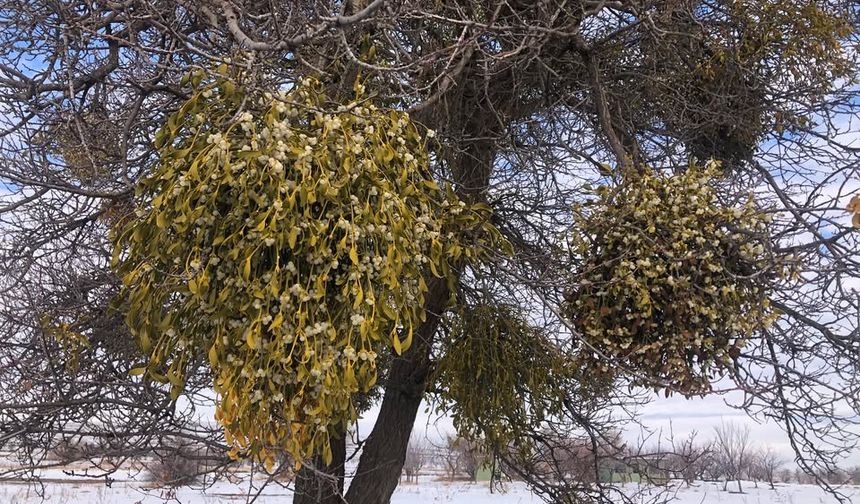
[384, 453]
[320, 483]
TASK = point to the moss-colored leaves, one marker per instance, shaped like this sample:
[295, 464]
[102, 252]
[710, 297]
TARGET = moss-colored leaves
[501, 378]
[73, 343]
[283, 240]
[671, 282]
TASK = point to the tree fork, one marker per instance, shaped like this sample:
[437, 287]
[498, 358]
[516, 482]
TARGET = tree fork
[321, 483]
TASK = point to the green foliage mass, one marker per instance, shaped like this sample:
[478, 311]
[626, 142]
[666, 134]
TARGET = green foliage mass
[672, 282]
[501, 378]
[286, 240]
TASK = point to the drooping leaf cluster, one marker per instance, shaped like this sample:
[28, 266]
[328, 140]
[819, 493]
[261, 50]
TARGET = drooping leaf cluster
[501, 378]
[671, 281]
[285, 239]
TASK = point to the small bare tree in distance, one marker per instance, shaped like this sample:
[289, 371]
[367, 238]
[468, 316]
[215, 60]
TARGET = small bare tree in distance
[733, 447]
[416, 458]
[451, 457]
[769, 461]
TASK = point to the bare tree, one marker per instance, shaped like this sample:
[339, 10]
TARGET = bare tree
[786, 475]
[462, 456]
[734, 450]
[769, 462]
[472, 458]
[804, 478]
[176, 463]
[532, 105]
[452, 457]
[854, 475]
[836, 476]
[690, 458]
[416, 458]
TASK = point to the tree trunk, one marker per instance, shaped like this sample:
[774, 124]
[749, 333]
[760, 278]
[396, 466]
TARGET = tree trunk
[323, 484]
[384, 452]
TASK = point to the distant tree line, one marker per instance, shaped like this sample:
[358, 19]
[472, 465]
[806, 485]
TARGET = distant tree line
[729, 456]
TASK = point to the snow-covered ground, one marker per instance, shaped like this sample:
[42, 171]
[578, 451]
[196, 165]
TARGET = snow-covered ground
[77, 491]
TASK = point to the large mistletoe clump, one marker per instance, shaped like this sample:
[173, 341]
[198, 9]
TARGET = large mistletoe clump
[285, 239]
[672, 282]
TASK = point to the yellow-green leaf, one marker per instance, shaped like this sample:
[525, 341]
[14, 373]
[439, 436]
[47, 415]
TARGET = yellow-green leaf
[294, 234]
[246, 270]
[213, 356]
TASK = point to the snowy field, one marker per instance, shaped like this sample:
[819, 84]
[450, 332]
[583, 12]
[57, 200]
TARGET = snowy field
[78, 491]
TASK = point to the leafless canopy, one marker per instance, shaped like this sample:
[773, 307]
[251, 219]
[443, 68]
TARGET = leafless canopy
[530, 101]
